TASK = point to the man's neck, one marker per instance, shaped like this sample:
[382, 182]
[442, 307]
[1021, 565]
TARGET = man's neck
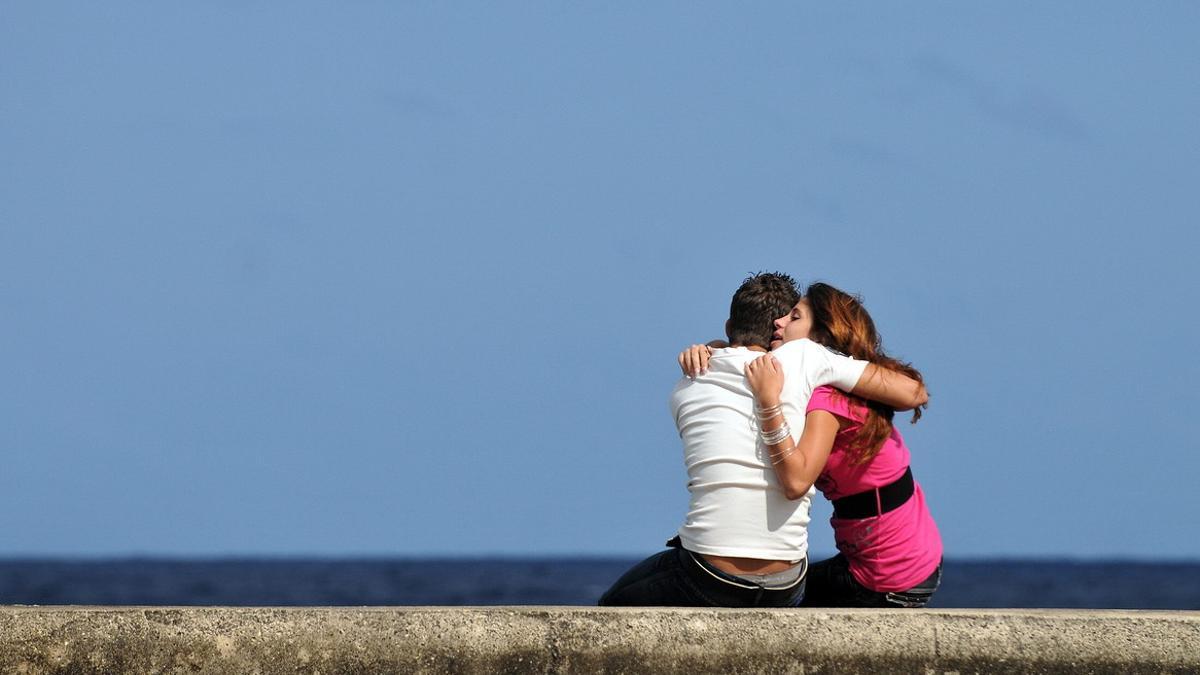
[753, 348]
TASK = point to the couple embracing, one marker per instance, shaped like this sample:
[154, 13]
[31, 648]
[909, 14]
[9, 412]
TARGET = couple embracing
[802, 395]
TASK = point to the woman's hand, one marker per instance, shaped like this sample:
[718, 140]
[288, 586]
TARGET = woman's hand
[693, 361]
[765, 377]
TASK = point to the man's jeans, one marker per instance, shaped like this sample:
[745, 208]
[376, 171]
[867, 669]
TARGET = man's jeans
[677, 578]
[830, 584]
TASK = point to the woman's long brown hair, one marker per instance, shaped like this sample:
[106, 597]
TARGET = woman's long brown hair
[841, 322]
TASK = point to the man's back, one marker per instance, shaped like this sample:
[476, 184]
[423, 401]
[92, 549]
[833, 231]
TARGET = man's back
[737, 507]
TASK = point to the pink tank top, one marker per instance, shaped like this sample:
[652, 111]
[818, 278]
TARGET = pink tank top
[890, 552]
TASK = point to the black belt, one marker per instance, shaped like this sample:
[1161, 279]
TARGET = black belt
[875, 502]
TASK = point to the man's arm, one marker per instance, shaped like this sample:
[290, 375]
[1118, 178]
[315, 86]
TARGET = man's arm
[809, 360]
[890, 388]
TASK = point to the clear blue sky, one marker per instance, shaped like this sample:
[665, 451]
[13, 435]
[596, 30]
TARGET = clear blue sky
[410, 278]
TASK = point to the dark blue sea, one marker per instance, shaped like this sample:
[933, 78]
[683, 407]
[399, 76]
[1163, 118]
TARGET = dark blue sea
[537, 581]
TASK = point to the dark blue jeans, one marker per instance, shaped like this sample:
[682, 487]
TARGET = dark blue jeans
[830, 584]
[677, 578]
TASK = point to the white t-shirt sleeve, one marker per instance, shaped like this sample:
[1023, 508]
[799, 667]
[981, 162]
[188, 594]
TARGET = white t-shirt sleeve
[820, 366]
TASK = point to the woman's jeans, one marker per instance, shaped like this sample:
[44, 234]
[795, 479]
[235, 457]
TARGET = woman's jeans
[678, 578]
[830, 584]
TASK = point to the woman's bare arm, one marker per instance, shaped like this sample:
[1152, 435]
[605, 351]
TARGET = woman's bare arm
[796, 465]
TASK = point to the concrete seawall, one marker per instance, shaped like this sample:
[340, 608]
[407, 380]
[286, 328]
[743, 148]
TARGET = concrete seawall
[438, 640]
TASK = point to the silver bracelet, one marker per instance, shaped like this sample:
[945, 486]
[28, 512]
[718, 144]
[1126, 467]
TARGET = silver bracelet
[776, 459]
[776, 436]
[764, 414]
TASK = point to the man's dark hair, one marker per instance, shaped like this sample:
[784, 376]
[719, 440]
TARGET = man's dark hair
[761, 299]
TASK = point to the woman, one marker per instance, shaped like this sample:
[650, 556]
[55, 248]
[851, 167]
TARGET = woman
[890, 549]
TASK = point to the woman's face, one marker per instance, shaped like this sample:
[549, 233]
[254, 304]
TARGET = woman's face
[794, 325]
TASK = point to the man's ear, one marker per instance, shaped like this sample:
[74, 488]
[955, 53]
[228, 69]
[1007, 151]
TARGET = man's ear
[727, 335]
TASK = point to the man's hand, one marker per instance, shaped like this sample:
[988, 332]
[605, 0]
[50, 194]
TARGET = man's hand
[765, 377]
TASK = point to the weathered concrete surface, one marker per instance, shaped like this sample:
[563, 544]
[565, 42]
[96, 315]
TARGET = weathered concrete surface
[439, 640]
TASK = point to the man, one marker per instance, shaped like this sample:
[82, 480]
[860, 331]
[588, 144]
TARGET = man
[744, 543]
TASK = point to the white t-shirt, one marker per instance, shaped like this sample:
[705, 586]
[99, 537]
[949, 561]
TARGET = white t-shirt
[737, 506]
